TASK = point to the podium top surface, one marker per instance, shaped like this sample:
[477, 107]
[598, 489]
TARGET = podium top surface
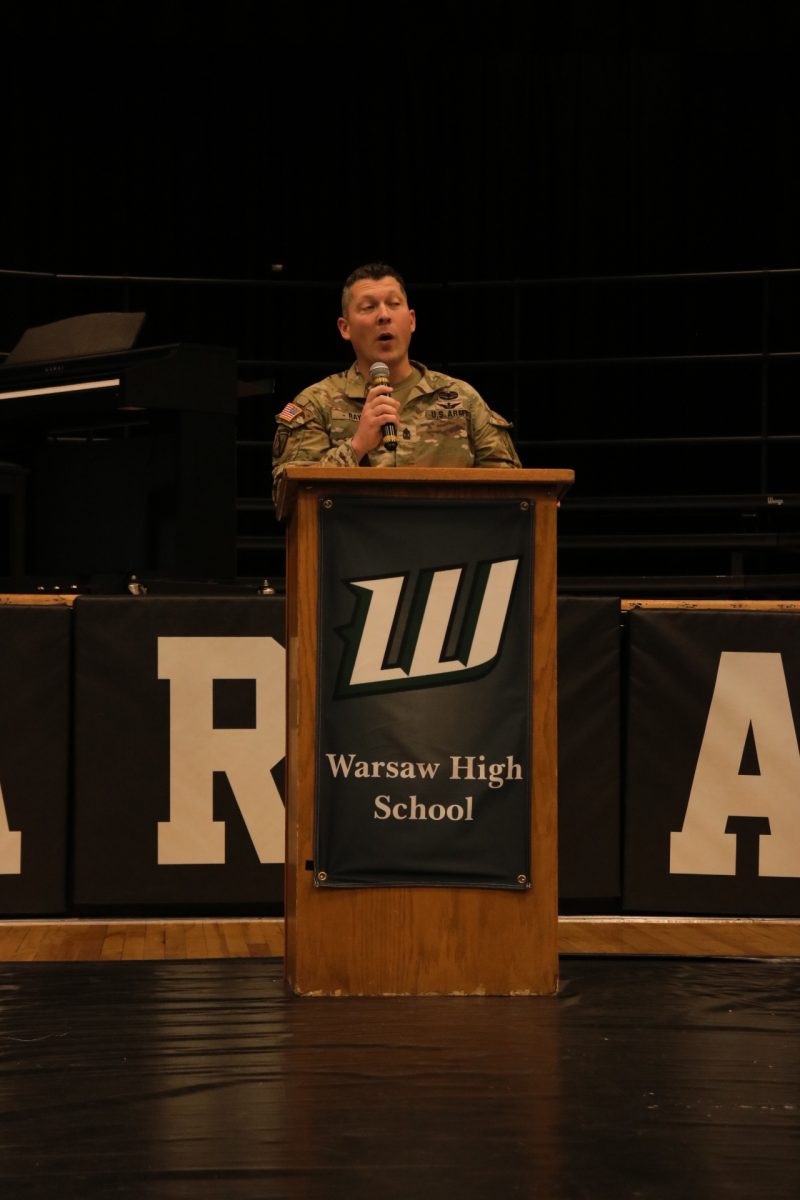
[556, 480]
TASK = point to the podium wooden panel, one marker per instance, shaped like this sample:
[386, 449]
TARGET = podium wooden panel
[417, 940]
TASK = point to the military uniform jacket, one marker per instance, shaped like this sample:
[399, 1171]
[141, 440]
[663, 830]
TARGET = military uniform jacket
[442, 423]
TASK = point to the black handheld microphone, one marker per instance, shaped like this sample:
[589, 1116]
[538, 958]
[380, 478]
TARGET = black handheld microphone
[379, 373]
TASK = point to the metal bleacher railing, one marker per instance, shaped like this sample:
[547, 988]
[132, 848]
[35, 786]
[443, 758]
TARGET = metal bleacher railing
[671, 395]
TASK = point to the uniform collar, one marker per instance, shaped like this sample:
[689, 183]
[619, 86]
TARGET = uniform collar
[354, 380]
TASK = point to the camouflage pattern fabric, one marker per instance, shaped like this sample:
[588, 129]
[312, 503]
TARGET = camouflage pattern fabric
[443, 423]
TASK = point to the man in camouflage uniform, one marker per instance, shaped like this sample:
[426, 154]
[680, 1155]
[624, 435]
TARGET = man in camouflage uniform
[440, 421]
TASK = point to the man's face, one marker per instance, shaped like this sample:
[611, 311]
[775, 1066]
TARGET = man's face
[379, 323]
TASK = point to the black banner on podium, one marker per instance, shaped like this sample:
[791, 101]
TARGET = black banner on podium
[424, 759]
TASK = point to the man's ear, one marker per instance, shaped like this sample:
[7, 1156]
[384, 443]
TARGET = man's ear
[344, 328]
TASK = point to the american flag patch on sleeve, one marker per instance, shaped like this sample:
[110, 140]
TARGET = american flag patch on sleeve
[290, 411]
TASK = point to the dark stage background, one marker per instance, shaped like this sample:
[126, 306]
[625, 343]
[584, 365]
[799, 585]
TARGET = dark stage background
[594, 205]
[459, 143]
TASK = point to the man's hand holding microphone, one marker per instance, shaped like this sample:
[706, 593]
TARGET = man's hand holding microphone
[378, 422]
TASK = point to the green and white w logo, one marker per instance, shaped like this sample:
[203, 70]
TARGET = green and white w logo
[422, 658]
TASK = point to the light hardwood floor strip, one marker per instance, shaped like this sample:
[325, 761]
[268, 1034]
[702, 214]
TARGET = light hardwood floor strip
[86, 946]
[133, 944]
[73, 939]
[196, 945]
[29, 944]
[113, 943]
[235, 940]
[155, 940]
[11, 939]
[703, 937]
[216, 946]
[175, 939]
[714, 605]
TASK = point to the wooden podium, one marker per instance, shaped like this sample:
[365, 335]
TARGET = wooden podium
[417, 940]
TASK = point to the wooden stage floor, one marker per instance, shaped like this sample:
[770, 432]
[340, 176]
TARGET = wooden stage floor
[645, 1078]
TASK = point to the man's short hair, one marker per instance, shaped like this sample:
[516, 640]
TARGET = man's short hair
[374, 270]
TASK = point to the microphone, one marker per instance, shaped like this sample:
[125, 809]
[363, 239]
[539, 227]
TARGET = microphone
[379, 373]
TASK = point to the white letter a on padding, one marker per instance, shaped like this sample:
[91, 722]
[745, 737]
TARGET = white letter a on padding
[10, 844]
[750, 692]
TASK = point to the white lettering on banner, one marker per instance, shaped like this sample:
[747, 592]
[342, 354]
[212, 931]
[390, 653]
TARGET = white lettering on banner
[197, 750]
[434, 625]
[343, 764]
[750, 691]
[471, 766]
[416, 810]
[10, 844]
